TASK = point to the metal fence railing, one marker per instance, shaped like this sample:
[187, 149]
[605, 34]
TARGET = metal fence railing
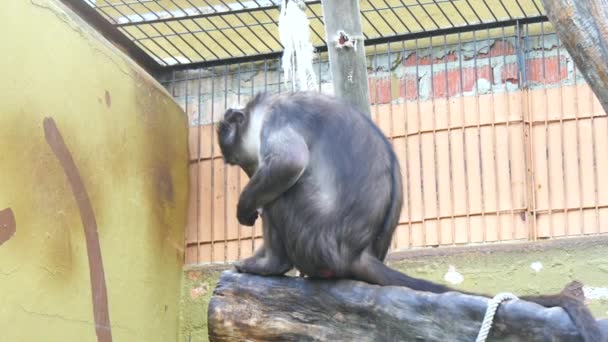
[498, 137]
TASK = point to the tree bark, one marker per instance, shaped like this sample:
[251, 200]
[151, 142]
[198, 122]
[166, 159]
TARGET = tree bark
[255, 308]
[582, 26]
[347, 62]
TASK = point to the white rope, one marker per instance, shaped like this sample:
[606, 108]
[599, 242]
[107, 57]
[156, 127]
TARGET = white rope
[486, 325]
[294, 34]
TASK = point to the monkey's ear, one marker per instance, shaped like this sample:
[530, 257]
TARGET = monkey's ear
[234, 116]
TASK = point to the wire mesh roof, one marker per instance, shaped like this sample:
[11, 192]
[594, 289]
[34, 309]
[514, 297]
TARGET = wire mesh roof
[189, 33]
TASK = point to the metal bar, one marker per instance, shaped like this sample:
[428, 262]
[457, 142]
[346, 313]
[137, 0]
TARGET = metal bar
[253, 229]
[490, 10]
[154, 41]
[447, 17]
[212, 144]
[95, 19]
[528, 139]
[473, 10]
[130, 36]
[136, 2]
[430, 131]
[368, 42]
[521, 9]
[562, 147]
[198, 166]
[536, 6]
[201, 15]
[363, 15]
[371, 3]
[427, 14]
[262, 25]
[407, 154]
[316, 16]
[212, 242]
[374, 77]
[185, 109]
[192, 33]
[449, 134]
[482, 199]
[505, 8]
[594, 154]
[499, 234]
[578, 156]
[178, 35]
[226, 169]
[435, 162]
[412, 14]
[250, 30]
[391, 122]
[168, 41]
[460, 13]
[464, 142]
[229, 27]
[509, 140]
[547, 147]
[420, 154]
[223, 33]
[240, 173]
[454, 30]
[518, 210]
[392, 9]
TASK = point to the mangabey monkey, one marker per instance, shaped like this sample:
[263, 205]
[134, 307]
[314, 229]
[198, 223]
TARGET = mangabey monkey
[328, 186]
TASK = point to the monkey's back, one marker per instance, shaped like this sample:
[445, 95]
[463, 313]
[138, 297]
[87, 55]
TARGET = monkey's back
[344, 198]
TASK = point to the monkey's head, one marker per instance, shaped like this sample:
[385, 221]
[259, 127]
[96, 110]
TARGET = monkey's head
[230, 131]
[235, 136]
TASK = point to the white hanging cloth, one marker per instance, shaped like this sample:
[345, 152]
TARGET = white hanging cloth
[294, 34]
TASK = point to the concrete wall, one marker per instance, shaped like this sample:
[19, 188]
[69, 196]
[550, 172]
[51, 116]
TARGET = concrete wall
[93, 186]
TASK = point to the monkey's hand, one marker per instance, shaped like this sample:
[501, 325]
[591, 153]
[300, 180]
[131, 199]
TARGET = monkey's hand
[245, 214]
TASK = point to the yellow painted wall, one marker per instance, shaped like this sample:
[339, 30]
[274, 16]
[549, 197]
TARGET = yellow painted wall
[128, 140]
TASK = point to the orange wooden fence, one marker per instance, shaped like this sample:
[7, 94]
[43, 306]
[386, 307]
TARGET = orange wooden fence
[516, 165]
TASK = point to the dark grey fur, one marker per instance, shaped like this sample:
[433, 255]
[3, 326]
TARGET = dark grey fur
[329, 186]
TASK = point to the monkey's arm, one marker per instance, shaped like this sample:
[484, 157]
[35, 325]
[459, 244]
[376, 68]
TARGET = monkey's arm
[284, 157]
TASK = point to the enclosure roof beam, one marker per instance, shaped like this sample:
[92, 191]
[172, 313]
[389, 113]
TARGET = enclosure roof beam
[182, 41]
[455, 30]
[368, 42]
[207, 15]
[110, 32]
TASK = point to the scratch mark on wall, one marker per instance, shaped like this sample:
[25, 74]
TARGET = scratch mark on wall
[87, 216]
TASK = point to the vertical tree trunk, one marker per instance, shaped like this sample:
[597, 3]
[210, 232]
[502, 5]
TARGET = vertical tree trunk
[347, 53]
[582, 26]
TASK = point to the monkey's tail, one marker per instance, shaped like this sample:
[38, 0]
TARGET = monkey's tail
[580, 315]
[378, 273]
[583, 320]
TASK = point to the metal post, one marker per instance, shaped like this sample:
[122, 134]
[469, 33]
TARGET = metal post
[345, 45]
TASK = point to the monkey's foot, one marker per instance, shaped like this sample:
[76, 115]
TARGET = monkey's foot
[264, 266]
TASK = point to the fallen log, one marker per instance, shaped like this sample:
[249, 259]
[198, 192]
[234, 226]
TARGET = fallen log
[255, 308]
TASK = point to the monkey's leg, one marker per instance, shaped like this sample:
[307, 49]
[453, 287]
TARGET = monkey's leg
[369, 269]
[285, 156]
[270, 259]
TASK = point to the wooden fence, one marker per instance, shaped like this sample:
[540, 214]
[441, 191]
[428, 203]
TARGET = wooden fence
[505, 143]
